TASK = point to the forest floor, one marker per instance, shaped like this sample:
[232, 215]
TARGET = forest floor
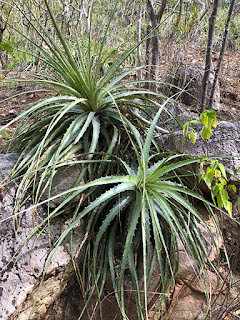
[229, 80]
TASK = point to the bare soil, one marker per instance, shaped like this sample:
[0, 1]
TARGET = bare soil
[14, 100]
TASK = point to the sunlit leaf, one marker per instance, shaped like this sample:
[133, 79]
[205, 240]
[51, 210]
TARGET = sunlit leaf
[222, 168]
[206, 133]
[4, 134]
[193, 136]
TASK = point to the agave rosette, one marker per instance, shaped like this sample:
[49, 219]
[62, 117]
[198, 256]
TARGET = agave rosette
[146, 210]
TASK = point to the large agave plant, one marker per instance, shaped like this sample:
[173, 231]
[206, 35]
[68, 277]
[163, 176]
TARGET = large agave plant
[83, 116]
[146, 210]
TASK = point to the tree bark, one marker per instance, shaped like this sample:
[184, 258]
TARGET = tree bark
[230, 13]
[139, 38]
[3, 26]
[154, 41]
[212, 22]
[148, 56]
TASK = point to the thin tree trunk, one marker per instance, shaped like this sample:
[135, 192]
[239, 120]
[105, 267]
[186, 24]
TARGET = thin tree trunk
[155, 21]
[147, 57]
[3, 26]
[230, 13]
[88, 15]
[203, 12]
[212, 22]
[1, 38]
[155, 57]
[139, 38]
[176, 24]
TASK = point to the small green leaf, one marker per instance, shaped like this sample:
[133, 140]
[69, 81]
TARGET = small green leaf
[220, 201]
[223, 181]
[208, 181]
[211, 114]
[193, 136]
[195, 121]
[215, 190]
[215, 123]
[217, 174]
[220, 186]
[210, 176]
[185, 131]
[206, 133]
[4, 134]
[39, 231]
[221, 167]
[203, 117]
[224, 195]
[228, 207]
[238, 200]
[214, 164]
[7, 46]
[232, 187]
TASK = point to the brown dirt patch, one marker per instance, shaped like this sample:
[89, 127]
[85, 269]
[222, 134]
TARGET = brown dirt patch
[14, 100]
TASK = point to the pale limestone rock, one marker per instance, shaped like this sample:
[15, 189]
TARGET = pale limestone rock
[22, 263]
[190, 78]
[224, 142]
[63, 180]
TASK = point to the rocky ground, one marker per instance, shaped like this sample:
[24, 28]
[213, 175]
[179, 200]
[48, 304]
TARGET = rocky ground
[229, 77]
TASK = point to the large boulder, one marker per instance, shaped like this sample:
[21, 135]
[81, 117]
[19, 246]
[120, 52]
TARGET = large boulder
[63, 180]
[177, 117]
[190, 303]
[172, 118]
[23, 263]
[189, 299]
[237, 125]
[186, 84]
[224, 142]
